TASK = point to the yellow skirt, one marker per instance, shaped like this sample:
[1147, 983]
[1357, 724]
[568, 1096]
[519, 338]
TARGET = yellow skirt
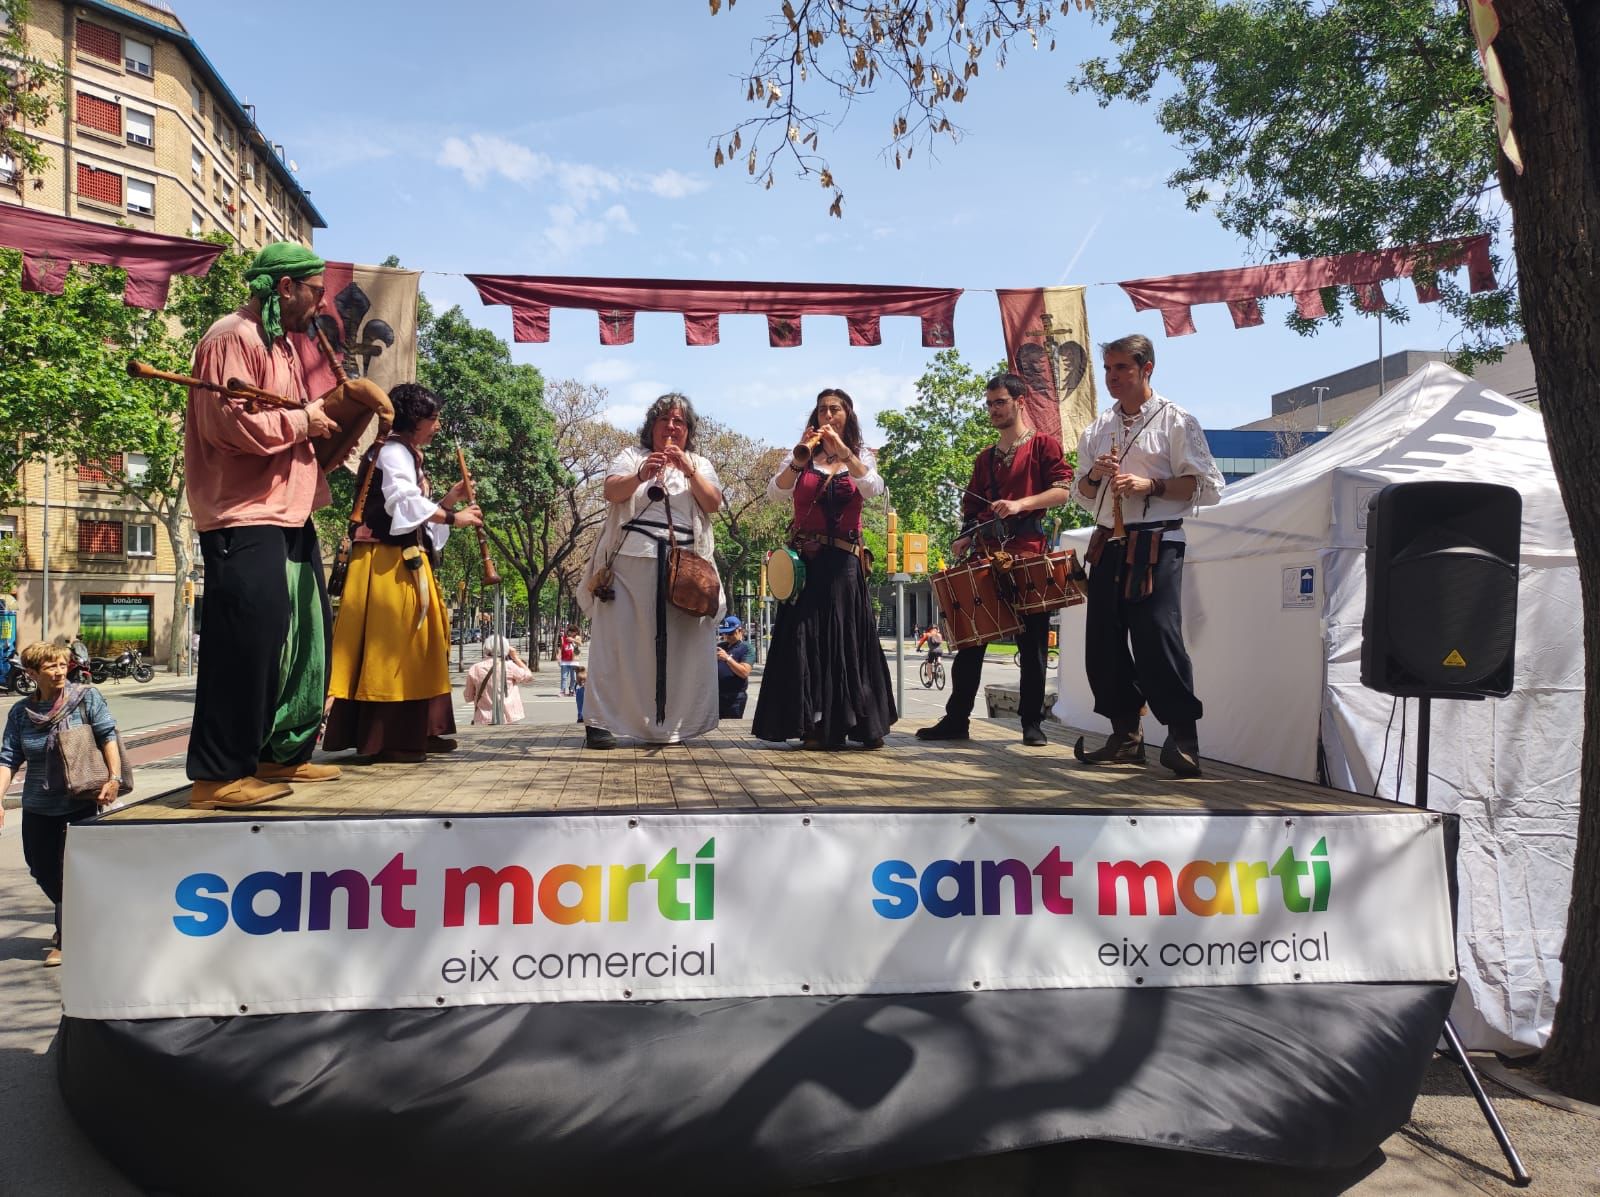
[380, 654]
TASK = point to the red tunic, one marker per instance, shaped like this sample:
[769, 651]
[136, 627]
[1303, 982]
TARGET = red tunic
[1038, 463]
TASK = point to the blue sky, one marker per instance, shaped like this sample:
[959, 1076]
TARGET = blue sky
[576, 138]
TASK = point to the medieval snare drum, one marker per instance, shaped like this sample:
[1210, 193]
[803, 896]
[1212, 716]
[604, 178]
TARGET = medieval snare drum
[1047, 582]
[970, 602]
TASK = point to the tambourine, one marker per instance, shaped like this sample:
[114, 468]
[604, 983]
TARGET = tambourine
[786, 574]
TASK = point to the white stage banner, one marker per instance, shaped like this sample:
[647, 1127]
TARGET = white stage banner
[235, 917]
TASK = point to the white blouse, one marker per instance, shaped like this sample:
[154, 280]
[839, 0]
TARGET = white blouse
[1167, 442]
[403, 499]
[869, 484]
[687, 517]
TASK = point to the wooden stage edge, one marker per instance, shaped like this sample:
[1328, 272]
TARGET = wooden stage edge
[544, 769]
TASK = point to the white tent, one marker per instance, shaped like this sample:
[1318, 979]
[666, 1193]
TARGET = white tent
[1274, 591]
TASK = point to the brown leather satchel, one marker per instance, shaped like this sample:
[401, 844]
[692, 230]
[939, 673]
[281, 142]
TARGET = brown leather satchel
[692, 582]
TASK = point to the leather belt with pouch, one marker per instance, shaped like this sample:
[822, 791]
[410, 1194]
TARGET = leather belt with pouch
[1140, 550]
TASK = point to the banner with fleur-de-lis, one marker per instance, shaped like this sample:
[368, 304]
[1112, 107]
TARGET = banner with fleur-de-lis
[1047, 344]
[369, 314]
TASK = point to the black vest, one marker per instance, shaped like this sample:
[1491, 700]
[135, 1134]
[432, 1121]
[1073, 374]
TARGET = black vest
[374, 515]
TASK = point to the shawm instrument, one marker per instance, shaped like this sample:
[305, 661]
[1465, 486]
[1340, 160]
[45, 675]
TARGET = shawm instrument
[491, 576]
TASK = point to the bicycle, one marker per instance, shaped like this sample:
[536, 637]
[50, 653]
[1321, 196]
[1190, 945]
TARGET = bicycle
[1052, 655]
[932, 674]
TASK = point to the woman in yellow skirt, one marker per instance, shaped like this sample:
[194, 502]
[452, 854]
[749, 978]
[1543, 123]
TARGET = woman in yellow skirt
[390, 674]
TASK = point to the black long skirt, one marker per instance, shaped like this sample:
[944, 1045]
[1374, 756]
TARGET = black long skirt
[826, 676]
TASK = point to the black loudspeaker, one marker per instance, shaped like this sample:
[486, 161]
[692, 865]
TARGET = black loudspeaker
[1441, 616]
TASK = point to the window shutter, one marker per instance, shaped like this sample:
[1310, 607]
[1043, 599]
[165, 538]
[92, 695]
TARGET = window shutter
[141, 128]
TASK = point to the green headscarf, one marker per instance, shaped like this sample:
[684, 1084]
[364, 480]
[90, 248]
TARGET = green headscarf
[282, 259]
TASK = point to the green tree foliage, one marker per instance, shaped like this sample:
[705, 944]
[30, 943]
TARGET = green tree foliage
[62, 363]
[495, 409]
[927, 453]
[747, 526]
[30, 90]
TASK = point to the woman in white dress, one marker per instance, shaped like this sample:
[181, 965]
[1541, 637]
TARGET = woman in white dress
[652, 687]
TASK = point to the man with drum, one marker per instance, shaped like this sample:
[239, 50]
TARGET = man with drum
[253, 483]
[1012, 481]
[1151, 464]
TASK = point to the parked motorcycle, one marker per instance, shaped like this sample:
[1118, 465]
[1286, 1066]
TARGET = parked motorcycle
[14, 678]
[127, 663]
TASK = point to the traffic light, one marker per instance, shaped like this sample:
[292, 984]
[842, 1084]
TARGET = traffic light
[915, 552]
[893, 539]
[188, 593]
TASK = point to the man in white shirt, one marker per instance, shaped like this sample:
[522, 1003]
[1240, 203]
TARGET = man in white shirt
[1151, 465]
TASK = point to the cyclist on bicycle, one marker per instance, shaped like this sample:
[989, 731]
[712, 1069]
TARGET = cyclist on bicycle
[933, 638]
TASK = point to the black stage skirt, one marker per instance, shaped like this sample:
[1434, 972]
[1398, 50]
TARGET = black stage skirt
[826, 677]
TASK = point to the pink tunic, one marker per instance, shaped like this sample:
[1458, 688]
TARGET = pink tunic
[481, 695]
[249, 467]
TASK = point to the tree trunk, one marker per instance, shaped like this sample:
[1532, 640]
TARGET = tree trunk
[182, 562]
[1550, 51]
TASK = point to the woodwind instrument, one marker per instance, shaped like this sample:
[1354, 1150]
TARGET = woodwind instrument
[347, 542]
[351, 407]
[804, 450]
[234, 388]
[335, 362]
[491, 576]
[1119, 531]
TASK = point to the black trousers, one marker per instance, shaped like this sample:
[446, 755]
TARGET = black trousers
[44, 847]
[1032, 642]
[247, 617]
[1133, 652]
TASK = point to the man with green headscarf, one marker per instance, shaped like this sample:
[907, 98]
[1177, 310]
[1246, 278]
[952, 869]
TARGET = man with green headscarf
[253, 482]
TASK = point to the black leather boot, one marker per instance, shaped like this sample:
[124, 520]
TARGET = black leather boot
[948, 728]
[1122, 748]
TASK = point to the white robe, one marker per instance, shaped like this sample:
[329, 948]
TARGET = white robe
[621, 696]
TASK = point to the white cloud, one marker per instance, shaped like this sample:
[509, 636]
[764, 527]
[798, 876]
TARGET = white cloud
[625, 415]
[674, 184]
[617, 217]
[570, 230]
[584, 183]
[481, 157]
[608, 371]
[484, 155]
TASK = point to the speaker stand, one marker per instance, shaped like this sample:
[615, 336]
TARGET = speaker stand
[1519, 1175]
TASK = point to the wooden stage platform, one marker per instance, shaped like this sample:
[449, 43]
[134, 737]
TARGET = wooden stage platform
[545, 768]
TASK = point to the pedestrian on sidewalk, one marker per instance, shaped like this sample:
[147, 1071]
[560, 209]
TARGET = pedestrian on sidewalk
[32, 732]
[569, 660]
[482, 679]
[580, 683]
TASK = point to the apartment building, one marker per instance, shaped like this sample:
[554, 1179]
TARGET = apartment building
[150, 135]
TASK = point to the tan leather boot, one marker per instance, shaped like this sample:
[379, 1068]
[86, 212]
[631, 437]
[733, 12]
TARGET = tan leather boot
[271, 771]
[236, 794]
